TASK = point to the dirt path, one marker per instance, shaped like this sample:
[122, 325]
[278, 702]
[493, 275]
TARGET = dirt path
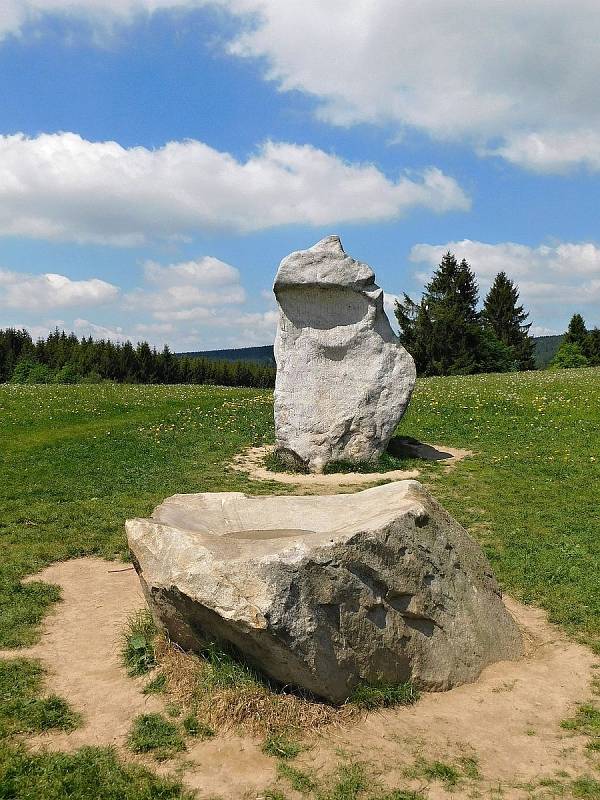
[509, 720]
[251, 461]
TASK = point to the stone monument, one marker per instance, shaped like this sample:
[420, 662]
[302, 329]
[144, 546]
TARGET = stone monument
[343, 378]
[325, 592]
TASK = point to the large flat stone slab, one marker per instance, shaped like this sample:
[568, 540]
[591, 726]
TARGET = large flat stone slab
[325, 592]
[343, 378]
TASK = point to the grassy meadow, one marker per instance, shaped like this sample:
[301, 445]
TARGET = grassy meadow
[77, 460]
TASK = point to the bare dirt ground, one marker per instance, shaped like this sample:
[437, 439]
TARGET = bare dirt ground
[251, 461]
[509, 720]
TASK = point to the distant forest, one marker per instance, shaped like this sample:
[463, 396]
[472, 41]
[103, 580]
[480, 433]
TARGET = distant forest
[64, 358]
[544, 350]
[258, 355]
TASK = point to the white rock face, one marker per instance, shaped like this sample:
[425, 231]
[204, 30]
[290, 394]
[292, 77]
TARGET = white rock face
[343, 378]
[324, 592]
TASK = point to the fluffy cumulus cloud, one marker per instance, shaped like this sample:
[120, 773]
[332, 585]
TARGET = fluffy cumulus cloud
[48, 291]
[190, 290]
[515, 78]
[553, 279]
[556, 152]
[521, 73]
[60, 186]
[190, 305]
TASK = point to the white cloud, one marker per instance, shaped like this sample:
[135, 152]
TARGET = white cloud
[541, 330]
[83, 327]
[523, 73]
[467, 70]
[60, 186]
[16, 14]
[551, 152]
[255, 328]
[207, 271]
[41, 292]
[188, 290]
[552, 279]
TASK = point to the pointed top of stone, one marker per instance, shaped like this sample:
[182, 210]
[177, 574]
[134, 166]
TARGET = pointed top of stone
[324, 264]
[332, 244]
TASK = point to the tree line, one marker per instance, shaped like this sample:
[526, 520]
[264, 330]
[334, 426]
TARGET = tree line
[64, 358]
[447, 334]
[580, 347]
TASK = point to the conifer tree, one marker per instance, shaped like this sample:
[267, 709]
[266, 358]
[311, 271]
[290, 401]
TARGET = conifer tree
[450, 315]
[593, 348]
[444, 333]
[577, 332]
[507, 320]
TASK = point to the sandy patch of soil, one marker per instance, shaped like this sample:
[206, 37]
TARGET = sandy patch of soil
[251, 461]
[509, 719]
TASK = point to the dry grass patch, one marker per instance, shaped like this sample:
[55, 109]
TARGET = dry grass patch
[227, 694]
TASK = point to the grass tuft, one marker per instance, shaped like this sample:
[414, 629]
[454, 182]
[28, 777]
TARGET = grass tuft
[22, 710]
[156, 685]
[88, 774]
[23, 607]
[152, 733]
[299, 780]
[274, 462]
[137, 650]
[586, 721]
[274, 794]
[350, 782]
[586, 788]
[447, 774]
[195, 727]
[281, 746]
[383, 695]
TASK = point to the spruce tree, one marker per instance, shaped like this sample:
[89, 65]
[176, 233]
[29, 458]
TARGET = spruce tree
[507, 320]
[577, 332]
[451, 318]
[593, 348]
[445, 333]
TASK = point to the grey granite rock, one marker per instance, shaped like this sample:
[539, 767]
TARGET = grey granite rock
[343, 378]
[324, 592]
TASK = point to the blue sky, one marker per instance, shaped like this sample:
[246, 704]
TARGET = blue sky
[158, 158]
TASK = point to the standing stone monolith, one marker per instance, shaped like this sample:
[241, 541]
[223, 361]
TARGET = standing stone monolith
[343, 378]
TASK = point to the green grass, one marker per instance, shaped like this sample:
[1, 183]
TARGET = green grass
[81, 459]
[196, 728]
[226, 672]
[89, 774]
[157, 685]
[587, 722]
[152, 733]
[349, 784]
[586, 788]
[281, 746]
[22, 710]
[383, 695]
[137, 652]
[447, 774]
[298, 779]
[84, 458]
[385, 463]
